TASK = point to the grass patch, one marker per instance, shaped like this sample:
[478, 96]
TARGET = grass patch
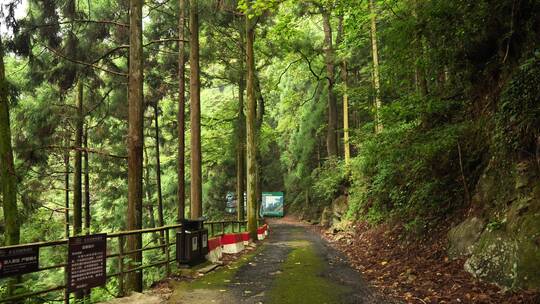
[301, 280]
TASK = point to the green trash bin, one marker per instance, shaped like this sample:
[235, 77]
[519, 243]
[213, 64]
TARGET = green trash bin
[191, 242]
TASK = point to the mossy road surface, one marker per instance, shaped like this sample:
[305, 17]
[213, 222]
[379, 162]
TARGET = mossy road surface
[292, 266]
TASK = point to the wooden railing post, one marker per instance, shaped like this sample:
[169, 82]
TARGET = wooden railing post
[121, 265]
[66, 293]
[167, 254]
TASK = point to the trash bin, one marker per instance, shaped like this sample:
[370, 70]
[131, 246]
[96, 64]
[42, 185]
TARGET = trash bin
[203, 236]
[191, 242]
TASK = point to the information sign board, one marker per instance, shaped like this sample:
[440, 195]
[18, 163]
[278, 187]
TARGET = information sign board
[272, 203]
[19, 260]
[87, 256]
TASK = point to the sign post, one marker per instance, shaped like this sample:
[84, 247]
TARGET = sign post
[87, 257]
[19, 261]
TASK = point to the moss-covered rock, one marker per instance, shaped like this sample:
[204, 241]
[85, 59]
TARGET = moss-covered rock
[507, 251]
[463, 237]
[326, 217]
[494, 259]
[340, 206]
[334, 214]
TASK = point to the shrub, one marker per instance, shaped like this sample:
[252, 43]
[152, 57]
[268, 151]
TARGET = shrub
[518, 115]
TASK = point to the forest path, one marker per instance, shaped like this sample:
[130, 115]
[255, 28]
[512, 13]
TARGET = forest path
[294, 265]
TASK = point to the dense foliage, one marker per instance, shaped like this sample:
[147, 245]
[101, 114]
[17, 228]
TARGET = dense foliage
[458, 84]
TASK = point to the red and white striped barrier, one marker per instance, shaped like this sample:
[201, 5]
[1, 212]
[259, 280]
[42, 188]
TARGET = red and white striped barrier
[245, 238]
[215, 251]
[232, 243]
[261, 232]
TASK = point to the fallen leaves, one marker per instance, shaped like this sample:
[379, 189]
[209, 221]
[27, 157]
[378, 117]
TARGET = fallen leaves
[415, 271]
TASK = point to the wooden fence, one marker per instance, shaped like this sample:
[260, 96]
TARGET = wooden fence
[214, 228]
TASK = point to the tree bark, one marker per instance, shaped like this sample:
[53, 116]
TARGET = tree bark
[376, 77]
[250, 129]
[181, 194]
[66, 185]
[346, 144]
[8, 179]
[195, 113]
[331, 136]
[148, 193]
[77, 177]
[241, 128]
[161, 221]
[241, 150]
[135, 144]
[87, 214]
[258, 125]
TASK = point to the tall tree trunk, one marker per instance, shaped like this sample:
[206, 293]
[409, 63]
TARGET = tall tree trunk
[8, 178]
[158, 169]
[376, 77]
[135, 144]
[241, 128]
[66, 184]
[241, 150]
[87, 214]
[347, 146]
[258, 125]
[344, 80]
[161, 221]
[250, 128]
[181, 113]
[148, 193]
[195, 114]
[331, 136]
[77, 177]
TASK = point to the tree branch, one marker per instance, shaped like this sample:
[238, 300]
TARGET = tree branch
[285, 71]
[163, 40]
[110, 22]
[88, 150]
[318, 77]
[55, 52]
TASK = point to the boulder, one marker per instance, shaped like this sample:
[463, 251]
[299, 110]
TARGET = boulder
[506, 250]
[340, 206]
[462, 238]
[326, 217]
